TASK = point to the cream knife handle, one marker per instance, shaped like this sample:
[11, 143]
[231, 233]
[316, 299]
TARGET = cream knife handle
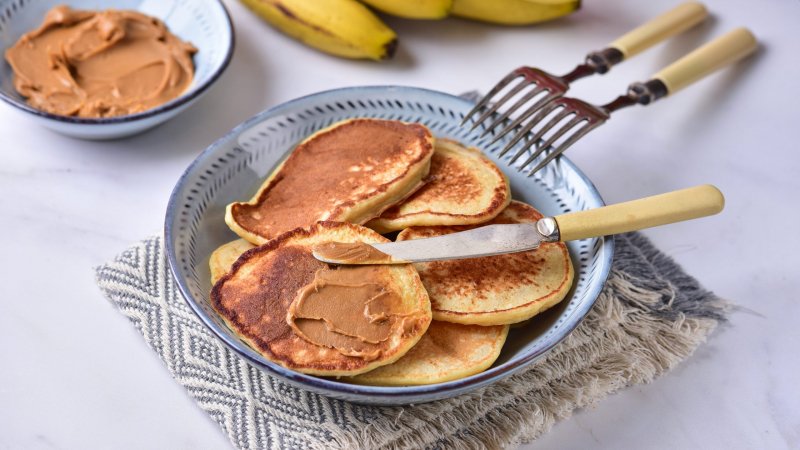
[673, 22]
[675, 206]
[709, 58]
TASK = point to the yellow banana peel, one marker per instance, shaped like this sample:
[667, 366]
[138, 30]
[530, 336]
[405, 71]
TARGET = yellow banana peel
[514, 12]
[340, 27]
[413, 9]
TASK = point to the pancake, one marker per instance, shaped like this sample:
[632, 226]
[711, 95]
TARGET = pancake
[495, 290]
[259, 296]
[447, 351]
[224, 256]
[464, 187]
[349, 172]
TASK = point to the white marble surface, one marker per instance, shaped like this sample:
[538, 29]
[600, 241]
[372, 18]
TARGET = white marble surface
[74, 374]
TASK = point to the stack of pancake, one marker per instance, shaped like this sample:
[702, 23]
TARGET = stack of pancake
[386, 324]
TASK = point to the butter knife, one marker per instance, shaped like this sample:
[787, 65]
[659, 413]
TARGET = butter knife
[489, 240]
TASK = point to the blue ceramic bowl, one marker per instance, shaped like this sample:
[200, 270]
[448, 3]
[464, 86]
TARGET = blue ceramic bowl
[204, 23]
[234, 167]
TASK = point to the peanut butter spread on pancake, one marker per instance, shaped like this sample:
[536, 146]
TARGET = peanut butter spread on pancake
[343, 321]
[351, 309]
[350, 172]
[351, 253]
[100, 63]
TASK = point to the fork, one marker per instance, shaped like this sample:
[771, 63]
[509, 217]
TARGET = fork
[548, 87]
[582, 117]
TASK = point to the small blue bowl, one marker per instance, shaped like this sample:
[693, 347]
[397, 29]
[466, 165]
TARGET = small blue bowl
[204, 23]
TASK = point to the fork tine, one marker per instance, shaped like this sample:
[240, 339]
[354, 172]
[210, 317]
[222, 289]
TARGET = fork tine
[526, 129]
[485, 100]
[554, 137]
[541, 103]
[509, 95]
[563, 147]
[528, 144]
[525, 99]
[540, 134]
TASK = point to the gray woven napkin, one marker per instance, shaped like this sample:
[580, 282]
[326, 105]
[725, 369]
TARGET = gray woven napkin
[650, 316]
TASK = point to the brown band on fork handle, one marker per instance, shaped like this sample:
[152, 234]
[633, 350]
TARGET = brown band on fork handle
[638, 94]
[599, 61]
[602, 60]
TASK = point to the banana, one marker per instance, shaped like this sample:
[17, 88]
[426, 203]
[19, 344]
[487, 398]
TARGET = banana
[413, 9]
[340, 27]
[514, 12]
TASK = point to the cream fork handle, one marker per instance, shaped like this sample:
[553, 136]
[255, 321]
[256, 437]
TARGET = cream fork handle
[675, 206]
[668, 24]
[709, 58]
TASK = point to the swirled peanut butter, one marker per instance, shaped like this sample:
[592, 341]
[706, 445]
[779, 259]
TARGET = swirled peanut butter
[353, 310]
[100, 63]
[351, 253]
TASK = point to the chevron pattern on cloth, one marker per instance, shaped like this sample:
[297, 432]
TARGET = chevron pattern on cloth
[650, 316]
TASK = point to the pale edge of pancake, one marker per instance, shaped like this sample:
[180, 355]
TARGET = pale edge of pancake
[380, 377]
[224, 256]
[433, 218]
[307, 233]
[359, 213]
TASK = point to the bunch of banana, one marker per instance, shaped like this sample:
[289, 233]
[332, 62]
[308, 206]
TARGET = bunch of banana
[340, 27]
[349, 29]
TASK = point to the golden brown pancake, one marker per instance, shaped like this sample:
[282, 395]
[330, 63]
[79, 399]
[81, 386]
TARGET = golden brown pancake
[495, 290]
[447, 351]
[464, 187]
[255, 297]
[349, 172]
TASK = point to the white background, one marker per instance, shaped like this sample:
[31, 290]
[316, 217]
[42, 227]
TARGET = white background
[74, 373]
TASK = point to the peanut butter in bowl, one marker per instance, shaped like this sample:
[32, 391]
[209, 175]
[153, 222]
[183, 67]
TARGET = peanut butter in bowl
[95, 64]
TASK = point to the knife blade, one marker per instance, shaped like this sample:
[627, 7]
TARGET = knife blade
[482, 241]
[488, 240]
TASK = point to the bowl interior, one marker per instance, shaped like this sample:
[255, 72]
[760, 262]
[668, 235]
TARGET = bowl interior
[204, 23]
[233, 168]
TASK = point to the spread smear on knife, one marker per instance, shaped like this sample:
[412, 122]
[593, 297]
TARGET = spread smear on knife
[351, 253]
